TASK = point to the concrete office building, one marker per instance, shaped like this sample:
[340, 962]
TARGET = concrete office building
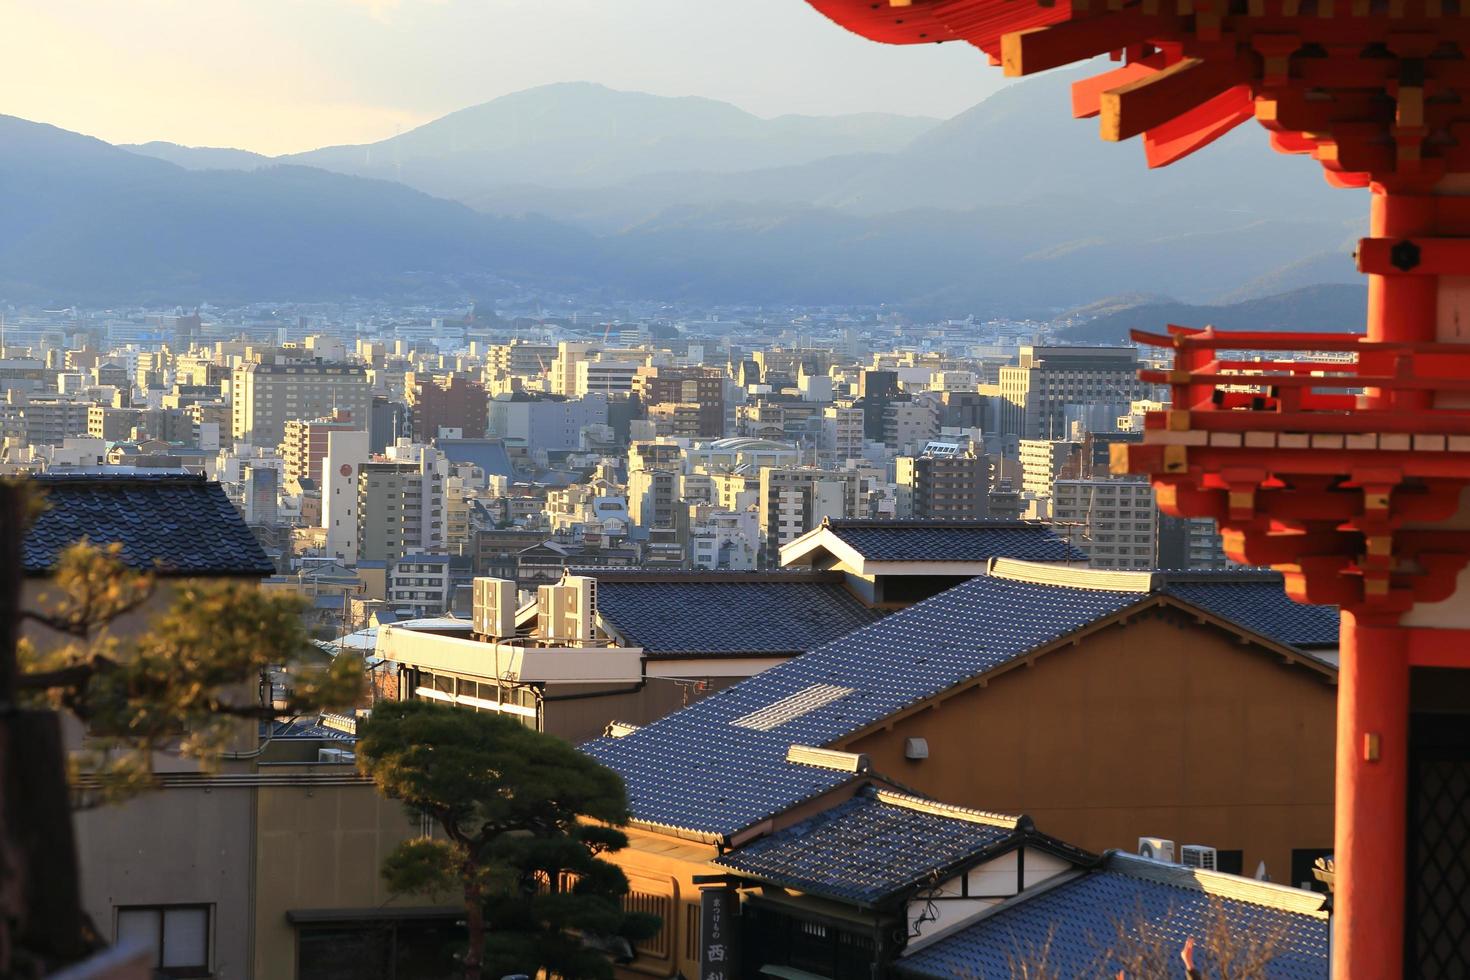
[1037, 391]
[605, 376]
[548, 422]
[266, 395]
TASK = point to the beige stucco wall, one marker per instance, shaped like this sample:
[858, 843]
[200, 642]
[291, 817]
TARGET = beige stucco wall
[320, 848]
[175, 846]
[1163, 727]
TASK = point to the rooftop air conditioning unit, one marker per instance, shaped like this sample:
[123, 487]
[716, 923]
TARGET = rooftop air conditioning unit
[1199, 856]
[1156, 849]
[567, 612]
[494, 609]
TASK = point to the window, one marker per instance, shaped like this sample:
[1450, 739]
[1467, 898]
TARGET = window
[178, 935]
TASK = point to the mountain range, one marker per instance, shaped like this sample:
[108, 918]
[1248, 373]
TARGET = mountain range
[1011, 208]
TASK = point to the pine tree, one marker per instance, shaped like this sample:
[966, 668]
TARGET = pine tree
[526, 820]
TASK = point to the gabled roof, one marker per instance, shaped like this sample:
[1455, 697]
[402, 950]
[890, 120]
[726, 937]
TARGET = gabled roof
[1257, 601]
[713, 766]
[960, 542]
[718, 766]
[1075, 923]
[728, 613]
[879, 846]
[168, 523]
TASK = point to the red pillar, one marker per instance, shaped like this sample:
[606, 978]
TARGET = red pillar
[1372, 787]
[1373, 680]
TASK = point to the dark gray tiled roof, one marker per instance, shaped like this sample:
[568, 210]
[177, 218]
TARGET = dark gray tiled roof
[1075, 925]
[699, 770]
[1258, 602]
[964, 541]
[169, 523]
[733, 614]
[870, 849]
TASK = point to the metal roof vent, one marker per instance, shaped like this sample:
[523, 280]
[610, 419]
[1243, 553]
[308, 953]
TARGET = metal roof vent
[808, 755]
[617, 729]
[916, 748]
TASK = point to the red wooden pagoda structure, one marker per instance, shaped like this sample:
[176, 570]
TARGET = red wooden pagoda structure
[1341, 459]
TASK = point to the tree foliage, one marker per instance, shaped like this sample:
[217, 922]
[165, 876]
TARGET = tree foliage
[538, 893]
[143, 670]
[184, 681]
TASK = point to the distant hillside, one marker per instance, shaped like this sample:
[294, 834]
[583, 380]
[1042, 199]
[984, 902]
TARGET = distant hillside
[585, 135]
[89, 223]
[1019, 145]
[1009, 209]
[199, 157]
[1314, 308]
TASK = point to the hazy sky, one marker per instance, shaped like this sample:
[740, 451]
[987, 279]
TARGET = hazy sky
[283, 75]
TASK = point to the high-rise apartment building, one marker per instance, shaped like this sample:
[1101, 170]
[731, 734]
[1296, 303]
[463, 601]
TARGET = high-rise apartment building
[703, 388]
[652, 496]
[305, 445]
[1037, 391]
[51, 419]
[942, 488]
[908, 425]
[1114, 521]
[520, 359]
[793, 500]
[842, 432]
[400, 506]
[266, 395]
[455, 402]
[1044, 461]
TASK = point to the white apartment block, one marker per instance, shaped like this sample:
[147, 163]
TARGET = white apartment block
[605, 376]
[842, 432]
[1043, 461]
[725, 540]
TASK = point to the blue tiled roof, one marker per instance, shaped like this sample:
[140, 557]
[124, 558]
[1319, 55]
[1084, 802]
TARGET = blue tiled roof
[870, 849]
[966, 541]
[730, 614]
[1075, 925]
[1258, 602]
[488, 454]
[173, 524]
[697, 769]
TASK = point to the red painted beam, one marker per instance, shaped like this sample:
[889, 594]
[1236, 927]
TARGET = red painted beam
[1149, 103]
[1414, 256]
[1038, 49]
